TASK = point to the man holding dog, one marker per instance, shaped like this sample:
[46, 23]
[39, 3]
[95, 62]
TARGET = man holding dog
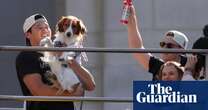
[31, 70]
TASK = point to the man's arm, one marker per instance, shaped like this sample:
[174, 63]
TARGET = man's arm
[38, 88]
[84, 75]
[135, 40]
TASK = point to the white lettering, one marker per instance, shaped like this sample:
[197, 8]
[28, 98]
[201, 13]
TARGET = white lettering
[161, 94]
[141, 97]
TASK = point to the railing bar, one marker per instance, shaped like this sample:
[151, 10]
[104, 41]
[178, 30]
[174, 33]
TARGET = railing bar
[11, 108]
[106, 50]
[56, 98]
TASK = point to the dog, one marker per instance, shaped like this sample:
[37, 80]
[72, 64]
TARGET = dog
[70, 32]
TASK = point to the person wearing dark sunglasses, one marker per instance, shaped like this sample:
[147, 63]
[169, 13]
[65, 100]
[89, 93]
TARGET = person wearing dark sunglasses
[169, 45]
[172, 40]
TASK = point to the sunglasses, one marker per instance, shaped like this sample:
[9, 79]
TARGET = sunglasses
[168, 45]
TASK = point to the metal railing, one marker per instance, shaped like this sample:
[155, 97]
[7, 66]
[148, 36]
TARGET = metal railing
[102, 50]
[75, 99]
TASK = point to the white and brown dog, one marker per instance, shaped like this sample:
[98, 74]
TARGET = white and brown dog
[70, 32]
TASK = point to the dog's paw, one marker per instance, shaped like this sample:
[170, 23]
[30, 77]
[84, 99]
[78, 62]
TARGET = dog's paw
[56, 84]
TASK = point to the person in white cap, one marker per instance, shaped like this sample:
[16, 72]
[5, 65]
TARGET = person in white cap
[172, 39]
[32, 71]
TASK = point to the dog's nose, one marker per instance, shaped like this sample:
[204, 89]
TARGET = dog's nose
[58, 44]
[68, 34]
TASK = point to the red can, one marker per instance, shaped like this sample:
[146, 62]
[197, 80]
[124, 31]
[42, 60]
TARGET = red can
[126, 11]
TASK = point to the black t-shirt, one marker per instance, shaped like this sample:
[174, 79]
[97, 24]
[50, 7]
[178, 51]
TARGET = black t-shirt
[156, 63]
[30, 63]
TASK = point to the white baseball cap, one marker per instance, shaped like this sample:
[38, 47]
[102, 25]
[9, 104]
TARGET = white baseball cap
[179, 37]
[30, 21]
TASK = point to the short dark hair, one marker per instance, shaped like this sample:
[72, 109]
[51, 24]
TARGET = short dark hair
[205, 30]
[200, 43]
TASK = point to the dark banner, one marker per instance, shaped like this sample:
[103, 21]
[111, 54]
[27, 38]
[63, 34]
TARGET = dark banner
[170, 95]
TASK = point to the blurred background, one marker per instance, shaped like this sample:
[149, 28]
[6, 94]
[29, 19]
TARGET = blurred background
[114, 73]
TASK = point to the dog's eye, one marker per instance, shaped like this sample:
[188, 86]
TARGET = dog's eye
[66, 25]
[75, 29]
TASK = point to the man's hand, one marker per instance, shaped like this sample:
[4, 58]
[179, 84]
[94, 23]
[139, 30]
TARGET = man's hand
[79, 90]
[191, 62]
[132, 18]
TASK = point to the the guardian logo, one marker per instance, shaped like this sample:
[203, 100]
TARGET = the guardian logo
[164, 94]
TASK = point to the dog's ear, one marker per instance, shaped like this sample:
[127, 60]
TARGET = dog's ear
[83, 29]
[60, 24]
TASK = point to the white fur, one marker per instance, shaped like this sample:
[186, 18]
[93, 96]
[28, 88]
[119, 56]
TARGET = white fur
[65, 75]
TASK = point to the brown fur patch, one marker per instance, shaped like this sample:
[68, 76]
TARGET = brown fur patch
[78, 26]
